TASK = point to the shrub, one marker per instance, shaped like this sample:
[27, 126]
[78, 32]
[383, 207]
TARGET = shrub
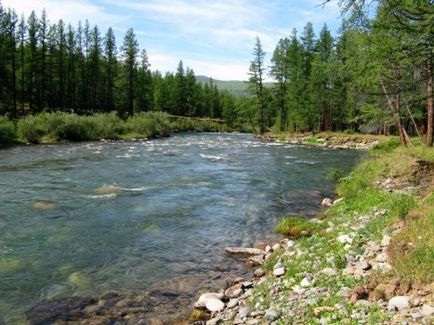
[32, 128]
[149, 124]
[8, 132]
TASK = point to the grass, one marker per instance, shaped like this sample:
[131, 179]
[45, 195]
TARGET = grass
[296, 227]
[367, 212]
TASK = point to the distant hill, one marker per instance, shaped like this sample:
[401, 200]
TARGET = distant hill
[235, 87]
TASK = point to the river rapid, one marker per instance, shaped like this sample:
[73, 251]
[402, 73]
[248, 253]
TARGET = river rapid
[89, 218]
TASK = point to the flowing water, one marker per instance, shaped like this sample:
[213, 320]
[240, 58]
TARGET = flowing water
[90, 218]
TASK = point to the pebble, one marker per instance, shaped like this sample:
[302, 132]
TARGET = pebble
[232, 303]
[427, 310]
[271, 315]
[244, 312]
[290, 244]
[386, 240]
[329, 271]
[344, 292]
[279, 271]
[214, 305]
[327, 202]
[344, 239]
[305, 283]
[259, 272]
[203, 299]
[399, 302]
[276, 247]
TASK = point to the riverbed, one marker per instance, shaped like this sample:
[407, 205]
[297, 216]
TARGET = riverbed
[89, 218]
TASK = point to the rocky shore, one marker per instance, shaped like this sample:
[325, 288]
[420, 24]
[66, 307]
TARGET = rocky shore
[341, 274]
[326, 140]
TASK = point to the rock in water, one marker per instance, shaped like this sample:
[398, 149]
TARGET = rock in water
[203, 299]
[214, 305]
[244, 251]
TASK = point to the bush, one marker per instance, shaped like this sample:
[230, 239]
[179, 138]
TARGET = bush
[33, 128]
[8, 132]
[149, 124]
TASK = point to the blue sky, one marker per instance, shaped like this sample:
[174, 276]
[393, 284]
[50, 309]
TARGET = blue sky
[214, 38]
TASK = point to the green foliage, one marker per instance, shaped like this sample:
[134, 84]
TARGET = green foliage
[33, 128]
[149, 124]
[296, 227]
[386, 146]
[8, 132]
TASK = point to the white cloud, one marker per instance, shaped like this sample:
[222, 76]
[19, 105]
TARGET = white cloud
[71, 11]
[217, 69]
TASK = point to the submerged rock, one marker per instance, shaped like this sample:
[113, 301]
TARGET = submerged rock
[244, 251]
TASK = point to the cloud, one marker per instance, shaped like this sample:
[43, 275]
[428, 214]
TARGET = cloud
[220, 69]
[71, 11]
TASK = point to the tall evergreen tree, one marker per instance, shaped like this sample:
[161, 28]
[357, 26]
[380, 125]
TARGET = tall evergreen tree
[130, 49]
[257, 71]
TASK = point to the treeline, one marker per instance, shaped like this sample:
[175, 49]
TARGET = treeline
[375, 76]
[58, 67]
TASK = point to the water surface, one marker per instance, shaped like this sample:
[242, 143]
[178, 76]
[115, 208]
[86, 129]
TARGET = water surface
[89, 218]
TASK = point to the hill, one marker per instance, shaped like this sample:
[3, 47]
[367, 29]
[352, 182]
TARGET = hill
[235, 87]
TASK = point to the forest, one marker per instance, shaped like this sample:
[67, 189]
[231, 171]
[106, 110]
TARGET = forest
[374, 76]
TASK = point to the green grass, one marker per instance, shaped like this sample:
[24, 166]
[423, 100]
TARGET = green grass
[296, 227]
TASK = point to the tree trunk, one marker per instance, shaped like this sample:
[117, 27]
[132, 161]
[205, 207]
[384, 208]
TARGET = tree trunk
[429, 106]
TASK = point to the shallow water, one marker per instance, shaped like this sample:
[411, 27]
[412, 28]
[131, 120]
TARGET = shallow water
[95, 217]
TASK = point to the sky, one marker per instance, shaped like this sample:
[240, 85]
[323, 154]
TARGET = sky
[215, 38]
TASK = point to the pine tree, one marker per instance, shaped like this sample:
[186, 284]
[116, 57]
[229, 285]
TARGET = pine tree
[130, 49]
[257, 71]
[111, 63]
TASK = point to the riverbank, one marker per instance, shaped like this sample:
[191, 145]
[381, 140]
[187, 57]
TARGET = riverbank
[368, 259]
[68, 127]
[334, 140]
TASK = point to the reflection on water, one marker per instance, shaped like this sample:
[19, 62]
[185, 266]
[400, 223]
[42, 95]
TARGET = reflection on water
[94, 217]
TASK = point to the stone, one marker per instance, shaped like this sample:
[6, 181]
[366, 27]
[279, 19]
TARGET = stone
[338, 200]
[305, 283]
[298, 290]
[319, 310]
[279, 271]
[246, 284]
[363, 265]
[244, 312]
[234, 291]
[271, 315]
[278, 265]
[326, 202]
[344, 292]
[259, 272]
[255, 260]
[268, 249]
[232, 303]
[382, 267]
[290, 244]
[386, 240]
[244, 251]
[214, 321]
[416, 315]
[399, 303]
[276, 247]
[344, 239]
[329, 271]
[381, 258]
[203, 299]
[427, 310]
[214, 305]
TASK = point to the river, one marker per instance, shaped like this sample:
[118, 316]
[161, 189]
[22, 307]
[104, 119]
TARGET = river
[88, 218]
